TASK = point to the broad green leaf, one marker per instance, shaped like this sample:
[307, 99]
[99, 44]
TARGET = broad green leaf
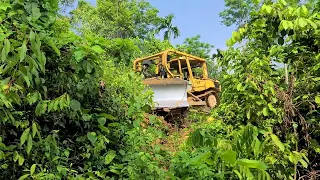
[265, 111]
[5, 50]
[29, 145]
[317, 66]
[267, 9]
[229, 156]
[23, 70]
[242, 31]
[2, 36]
[109, 157]
[32, 169]
[303, 163]
[315, 145]
[2, 155]
[34, 97]
[256, 1]
[252, 164]
[254, 85]
[79, 54]
[304, 11]
[56, 105]
[276, 140]
[261, 22]
[50, 106]
[102, 120]
[24, 136]
[238, 174]
[199, 158]
[4, 6]
[34, 129]
[316, 79]
[209, 161]
[104, 129]
[317, 99]
[89, 67]
[294, 157]
[66, 153]
[32, 37]
[136, 123]
[249, 114]
[302, 22]
[27, 80]
[59, 168]
[53, 46]
[256, 147]
[35, 11]
[230, 42]
[283, 2]
[235, 36]
[285, 24]
[305, 157]
[39, 109]
[20, 159]
[115, 171]
[314, 25]
[24, 177]
[239, 86]
[15, 156]
[97, 49]
[86, 117]
[5, 100]
[92, 136]
[75, 105]
[108, 116]
[272, 108]
[23, 51]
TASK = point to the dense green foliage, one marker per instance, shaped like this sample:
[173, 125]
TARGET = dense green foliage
[195, 47]
[285, 34]
[72, 108]
[238, 12]
[122, 19]
[65, 108]
[116, 19]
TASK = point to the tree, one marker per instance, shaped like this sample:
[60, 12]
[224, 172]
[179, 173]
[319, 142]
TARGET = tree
[256, 93]
[194, 46]
[238, 12]
[166, 24]
[115, 18]
[55, 108]
[152, 45]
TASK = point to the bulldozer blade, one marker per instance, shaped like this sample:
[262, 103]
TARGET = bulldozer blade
[169, 93]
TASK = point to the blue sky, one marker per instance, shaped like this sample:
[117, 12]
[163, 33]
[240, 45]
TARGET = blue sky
[195, 17]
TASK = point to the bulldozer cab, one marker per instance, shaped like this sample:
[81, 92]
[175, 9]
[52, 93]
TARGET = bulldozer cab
[188, 68]
[172, 64]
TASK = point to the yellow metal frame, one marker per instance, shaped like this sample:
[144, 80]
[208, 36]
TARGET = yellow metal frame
[163, 57]
[199, 86]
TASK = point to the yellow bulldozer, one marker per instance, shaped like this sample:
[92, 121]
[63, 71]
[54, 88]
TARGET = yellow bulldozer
[178, 80]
